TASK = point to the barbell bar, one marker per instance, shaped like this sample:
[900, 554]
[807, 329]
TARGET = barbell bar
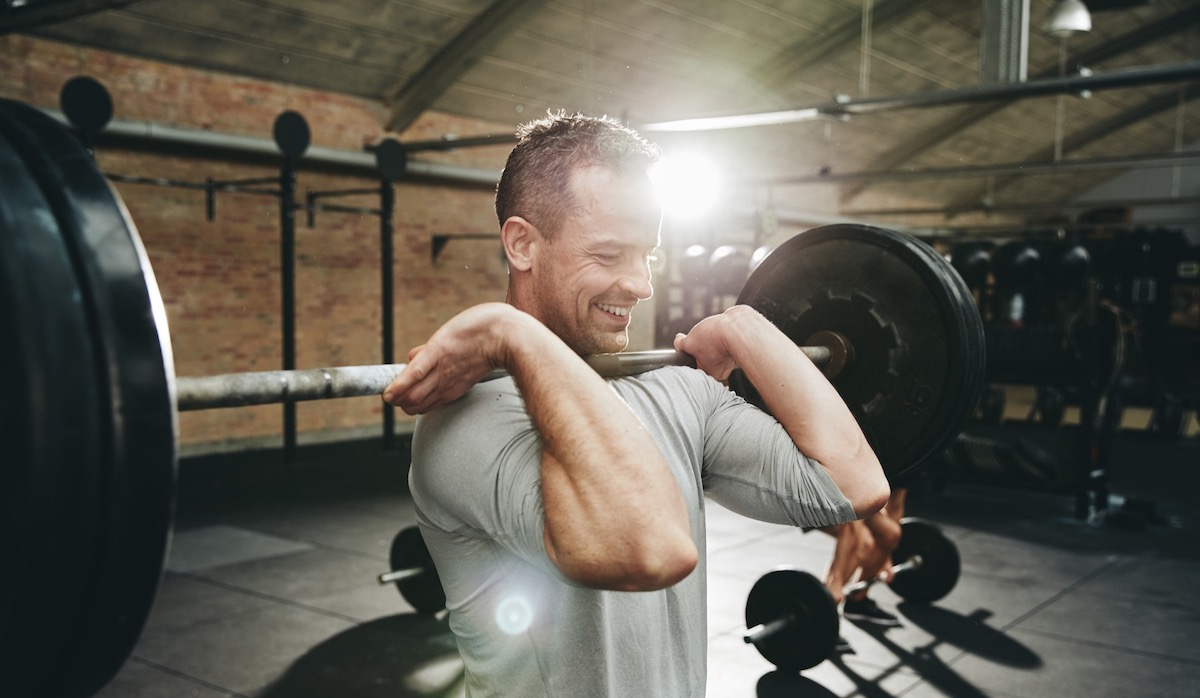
[791, 617]
[90, 408]
[267, 387]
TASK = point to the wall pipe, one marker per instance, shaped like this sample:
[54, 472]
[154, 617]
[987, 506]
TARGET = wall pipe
[166, 136]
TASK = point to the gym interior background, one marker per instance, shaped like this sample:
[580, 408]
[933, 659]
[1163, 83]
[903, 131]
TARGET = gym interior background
[1058, 173]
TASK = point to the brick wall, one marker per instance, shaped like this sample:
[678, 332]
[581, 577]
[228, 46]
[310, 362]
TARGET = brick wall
[220, 280]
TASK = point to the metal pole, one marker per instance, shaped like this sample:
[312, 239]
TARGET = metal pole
[1145, 160]
[287, 252]
[1129, 77]
[387, 199]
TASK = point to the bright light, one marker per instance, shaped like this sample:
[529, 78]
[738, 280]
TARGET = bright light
[514, 615]
[687, 184]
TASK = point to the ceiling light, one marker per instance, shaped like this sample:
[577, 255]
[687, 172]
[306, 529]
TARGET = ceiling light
[1066, 18]
[687, 184]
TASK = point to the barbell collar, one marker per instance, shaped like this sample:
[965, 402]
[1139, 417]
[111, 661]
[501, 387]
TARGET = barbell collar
[269, 387]
[911, 563]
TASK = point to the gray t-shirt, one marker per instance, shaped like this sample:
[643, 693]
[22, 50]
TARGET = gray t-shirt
[523, 628]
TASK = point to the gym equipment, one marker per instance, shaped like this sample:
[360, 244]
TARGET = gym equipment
[916, 339]
[793, 622]
[728, 267]
[90, 407]
[413, 572]
[939, 567]
[792, 619]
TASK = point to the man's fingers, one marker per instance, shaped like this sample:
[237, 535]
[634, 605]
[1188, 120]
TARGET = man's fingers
[399, 391]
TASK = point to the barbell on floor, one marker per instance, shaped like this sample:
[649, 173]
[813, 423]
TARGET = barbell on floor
[90, 408]
[414, 573]
[791, 617]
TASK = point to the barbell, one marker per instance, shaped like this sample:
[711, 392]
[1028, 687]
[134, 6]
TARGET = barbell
[792, 619]
[414, 573]
[90, 398]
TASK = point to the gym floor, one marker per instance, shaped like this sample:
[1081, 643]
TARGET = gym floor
[270, 590]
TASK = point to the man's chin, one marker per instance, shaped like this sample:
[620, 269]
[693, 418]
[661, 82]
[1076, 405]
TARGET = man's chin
[608, 344]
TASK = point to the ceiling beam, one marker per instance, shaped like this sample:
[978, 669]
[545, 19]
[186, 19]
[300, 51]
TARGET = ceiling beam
[17, 16]
[1092, 134]
[499, 20]
[784, 66]
[1183, 20]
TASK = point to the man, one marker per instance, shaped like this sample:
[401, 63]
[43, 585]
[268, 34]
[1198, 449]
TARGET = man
[863, 550]
[565, 512]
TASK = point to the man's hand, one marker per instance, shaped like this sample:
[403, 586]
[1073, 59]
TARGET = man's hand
[457, 356]
[708, 342]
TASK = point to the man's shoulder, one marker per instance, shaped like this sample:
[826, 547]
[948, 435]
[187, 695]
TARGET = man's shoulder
[681, 376]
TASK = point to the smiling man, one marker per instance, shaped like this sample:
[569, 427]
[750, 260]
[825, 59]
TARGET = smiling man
[565, 512]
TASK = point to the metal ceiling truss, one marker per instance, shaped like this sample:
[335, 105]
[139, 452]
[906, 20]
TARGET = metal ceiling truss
[1097, 132]
[1052, 206]
[1140, 161]
[1130, 41]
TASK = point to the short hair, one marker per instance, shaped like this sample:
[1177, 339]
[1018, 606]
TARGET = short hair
[536, 182]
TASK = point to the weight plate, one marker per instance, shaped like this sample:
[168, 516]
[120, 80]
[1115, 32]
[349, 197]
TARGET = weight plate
[131, 349]
[424, 591]
[50, 402]
[918, 340]
[811, 636]
[940, 562]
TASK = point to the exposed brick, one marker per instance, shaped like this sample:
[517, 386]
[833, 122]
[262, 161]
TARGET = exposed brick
[220, 280]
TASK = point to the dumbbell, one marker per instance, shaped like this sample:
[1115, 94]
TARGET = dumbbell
[791, 617]
[413, 572]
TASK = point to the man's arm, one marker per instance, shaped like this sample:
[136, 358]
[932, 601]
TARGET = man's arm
[797, 393]
[614, 514]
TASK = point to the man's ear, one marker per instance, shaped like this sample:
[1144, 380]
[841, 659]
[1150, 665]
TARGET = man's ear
[519, 238]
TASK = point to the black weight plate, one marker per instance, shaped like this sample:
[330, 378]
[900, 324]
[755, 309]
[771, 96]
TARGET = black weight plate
[972, 350]
[811, 636]
[53, 436]
[424, 591]
[940, 562]
[917, 336]
[132, 350]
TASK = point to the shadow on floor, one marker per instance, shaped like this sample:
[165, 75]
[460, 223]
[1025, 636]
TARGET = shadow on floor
[393, 657]
[968, 633]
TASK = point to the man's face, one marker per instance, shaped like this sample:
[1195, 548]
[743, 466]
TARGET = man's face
[586, 282]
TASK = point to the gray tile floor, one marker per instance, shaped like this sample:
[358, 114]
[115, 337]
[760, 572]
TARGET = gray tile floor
[270, 591]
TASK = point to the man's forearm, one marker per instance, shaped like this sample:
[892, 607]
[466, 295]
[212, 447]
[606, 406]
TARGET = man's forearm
[615, 516]
[809, 408]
